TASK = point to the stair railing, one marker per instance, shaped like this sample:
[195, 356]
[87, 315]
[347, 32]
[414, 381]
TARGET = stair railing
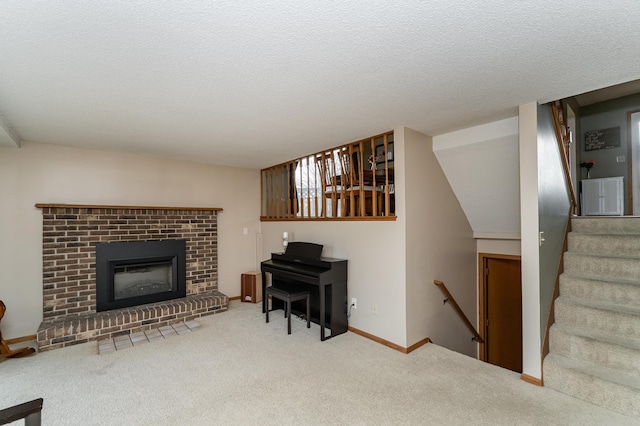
[564, 143]
[456, 307]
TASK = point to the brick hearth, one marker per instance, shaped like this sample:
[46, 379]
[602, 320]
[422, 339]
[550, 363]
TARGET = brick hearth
[70, 233]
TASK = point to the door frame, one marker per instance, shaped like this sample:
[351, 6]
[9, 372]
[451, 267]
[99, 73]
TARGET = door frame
[482, 296]
[632, 165]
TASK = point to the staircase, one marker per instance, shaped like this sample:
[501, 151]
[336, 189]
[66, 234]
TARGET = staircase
[595, 341]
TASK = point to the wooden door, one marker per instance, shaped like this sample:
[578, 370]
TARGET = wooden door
[503, 313]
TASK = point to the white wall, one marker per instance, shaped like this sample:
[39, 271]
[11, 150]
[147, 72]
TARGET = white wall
[439, 246]
[392, 265]
[531, 341]
[499, 246]
[481, 164]
[553, 210]
[376, 274]
[39, 173]
[376, 254]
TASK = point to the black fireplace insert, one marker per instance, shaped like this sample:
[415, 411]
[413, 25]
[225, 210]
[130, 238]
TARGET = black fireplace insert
[139, 272]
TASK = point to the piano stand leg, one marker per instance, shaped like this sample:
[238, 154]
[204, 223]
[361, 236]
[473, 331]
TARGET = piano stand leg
[267, 310]
[288, 310]
[322, 312]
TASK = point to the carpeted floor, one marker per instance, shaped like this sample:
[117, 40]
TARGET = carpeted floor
[235, 369]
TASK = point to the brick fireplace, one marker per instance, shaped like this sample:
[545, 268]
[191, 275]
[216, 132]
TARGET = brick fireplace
[70, 234]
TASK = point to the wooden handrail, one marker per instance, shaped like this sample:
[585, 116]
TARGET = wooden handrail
[563, 144]
[449, 298]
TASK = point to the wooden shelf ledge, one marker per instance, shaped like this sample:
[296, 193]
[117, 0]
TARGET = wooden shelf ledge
[99, 206]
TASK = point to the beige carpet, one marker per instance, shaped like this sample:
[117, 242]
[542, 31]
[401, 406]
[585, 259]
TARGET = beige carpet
[595, 341]
[235, 369]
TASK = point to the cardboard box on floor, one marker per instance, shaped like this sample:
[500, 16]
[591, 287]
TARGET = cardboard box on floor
[251, 283]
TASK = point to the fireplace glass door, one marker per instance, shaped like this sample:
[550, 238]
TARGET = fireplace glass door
[142, 279]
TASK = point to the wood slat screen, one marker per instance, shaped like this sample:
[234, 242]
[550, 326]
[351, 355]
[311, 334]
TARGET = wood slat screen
[334, 184]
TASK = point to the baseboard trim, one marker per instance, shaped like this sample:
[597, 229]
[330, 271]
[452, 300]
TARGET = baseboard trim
[388, 343]
[418, 344]
[234, 298]
[530, 379]
[21, 339]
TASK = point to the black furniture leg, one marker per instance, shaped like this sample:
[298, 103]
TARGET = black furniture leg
[288, 316]
[263, 299]
[264, 294]
[322, 313]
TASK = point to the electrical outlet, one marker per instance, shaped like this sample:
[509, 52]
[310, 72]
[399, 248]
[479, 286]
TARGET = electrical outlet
[374, 309]
[354, 303]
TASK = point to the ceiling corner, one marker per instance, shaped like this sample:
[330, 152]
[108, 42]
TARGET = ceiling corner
[8, 137]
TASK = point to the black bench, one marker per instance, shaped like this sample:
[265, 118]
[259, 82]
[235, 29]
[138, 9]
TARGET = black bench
[289, 294]
[29, 411]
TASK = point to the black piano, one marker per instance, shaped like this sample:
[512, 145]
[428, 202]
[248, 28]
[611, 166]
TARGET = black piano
[302, 264]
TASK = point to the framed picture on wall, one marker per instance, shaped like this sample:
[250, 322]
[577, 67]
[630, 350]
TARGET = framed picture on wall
[602, 139]
[380, 152]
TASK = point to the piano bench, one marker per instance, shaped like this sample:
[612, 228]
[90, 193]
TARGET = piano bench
[288, 295]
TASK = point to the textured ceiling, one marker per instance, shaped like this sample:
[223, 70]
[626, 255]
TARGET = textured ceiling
[255, 83]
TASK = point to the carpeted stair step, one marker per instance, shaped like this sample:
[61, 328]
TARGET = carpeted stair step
[606, 350]
[607, 245]
[624, 293]
[624, 322]
[602, 386]
[601, 267]
[610, 225]
[594, 344]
